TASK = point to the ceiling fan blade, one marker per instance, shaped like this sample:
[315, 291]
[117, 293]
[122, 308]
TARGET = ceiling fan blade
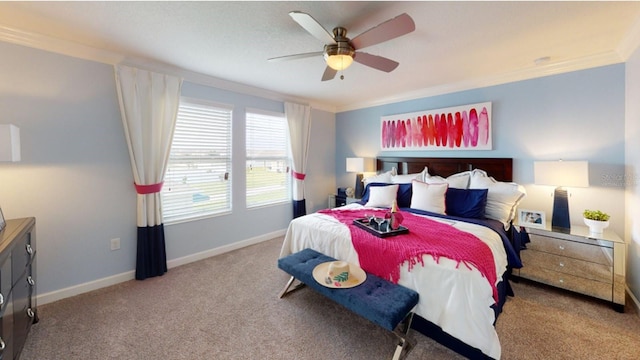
[295, 56]
[329, 74]
[390, 29]
[312, 26]
[376, 62]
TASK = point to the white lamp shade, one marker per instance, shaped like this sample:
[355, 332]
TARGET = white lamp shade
[561, 173]
[9, 142]
[359, 165]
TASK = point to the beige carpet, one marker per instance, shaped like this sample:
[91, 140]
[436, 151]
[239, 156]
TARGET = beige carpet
[227, 307]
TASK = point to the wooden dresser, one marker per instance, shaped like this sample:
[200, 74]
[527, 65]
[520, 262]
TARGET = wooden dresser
[17, 285]
[586, 263]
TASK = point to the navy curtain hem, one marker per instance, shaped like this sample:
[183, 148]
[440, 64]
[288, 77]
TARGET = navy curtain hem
[151, 258]
[299, 208]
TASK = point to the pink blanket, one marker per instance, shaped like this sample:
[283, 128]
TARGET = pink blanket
[384, 256]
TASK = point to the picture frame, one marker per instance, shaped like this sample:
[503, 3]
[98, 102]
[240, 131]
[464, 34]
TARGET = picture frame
[457, 128]
[2, 222]
[531, 218]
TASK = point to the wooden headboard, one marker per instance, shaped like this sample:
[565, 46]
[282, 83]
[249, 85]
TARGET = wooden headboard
[499, 168]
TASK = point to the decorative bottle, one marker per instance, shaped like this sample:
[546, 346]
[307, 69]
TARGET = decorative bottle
[395, 217]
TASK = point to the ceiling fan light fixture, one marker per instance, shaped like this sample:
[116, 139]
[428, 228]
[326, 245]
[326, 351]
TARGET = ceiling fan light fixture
[340, 51]
[338, 62]
[339, 56]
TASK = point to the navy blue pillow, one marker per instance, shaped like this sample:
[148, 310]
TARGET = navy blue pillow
[403, 198]
[469, 203]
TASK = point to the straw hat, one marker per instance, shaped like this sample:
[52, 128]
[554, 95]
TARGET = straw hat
[339, 274]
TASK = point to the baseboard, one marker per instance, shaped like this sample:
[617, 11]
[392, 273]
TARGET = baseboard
[130, 275]
[84, 288]
[223, 249]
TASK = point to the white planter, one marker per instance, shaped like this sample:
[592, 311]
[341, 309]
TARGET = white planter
[596, 226]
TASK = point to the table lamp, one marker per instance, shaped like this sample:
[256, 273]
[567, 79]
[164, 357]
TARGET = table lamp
[561, 174]
[359, 166]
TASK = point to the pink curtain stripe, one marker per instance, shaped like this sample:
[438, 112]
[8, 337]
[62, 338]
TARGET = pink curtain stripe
[148, 189]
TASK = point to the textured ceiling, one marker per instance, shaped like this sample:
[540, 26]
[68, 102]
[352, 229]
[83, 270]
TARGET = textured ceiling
[455, 44]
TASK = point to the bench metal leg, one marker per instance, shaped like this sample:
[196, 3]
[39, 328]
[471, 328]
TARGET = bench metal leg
[289, 283]
[401, 331]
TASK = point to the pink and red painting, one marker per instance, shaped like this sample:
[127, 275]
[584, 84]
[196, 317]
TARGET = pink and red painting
[466, 127]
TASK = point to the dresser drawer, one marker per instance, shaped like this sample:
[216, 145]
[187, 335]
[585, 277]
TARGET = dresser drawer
[566, 281]
[6, 328]
[5, 281]
[23, 306]
[17, 285]
[567, 265]
[567, 248]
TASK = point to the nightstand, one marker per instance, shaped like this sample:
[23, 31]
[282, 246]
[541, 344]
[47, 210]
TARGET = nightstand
[335, 200]
[579, 261]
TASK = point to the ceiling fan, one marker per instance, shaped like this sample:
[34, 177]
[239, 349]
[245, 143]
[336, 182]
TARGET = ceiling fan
[340, 51]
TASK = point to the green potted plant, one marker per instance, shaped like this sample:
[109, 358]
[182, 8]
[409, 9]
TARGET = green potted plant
[596, 220]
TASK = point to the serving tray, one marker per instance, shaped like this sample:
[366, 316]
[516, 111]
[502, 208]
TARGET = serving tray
[364, 224]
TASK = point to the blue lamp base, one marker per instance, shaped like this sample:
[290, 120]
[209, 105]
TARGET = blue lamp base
[560, 219]
[359, 189]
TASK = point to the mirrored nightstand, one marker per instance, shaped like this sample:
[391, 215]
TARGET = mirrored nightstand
[579, 261]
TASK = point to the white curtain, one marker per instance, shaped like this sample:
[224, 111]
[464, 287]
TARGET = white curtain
[149, 106]
[299, 120]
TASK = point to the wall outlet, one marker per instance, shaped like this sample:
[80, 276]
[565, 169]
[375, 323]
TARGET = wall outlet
[115, 244]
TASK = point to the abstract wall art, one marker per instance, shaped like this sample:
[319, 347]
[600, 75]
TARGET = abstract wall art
[466, 127]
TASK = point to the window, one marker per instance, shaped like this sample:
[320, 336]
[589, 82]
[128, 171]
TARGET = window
[268, 178]
[197, 183]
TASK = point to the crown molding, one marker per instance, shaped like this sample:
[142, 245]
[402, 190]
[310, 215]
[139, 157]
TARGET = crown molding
[80, 51]
[603, 59]
[55, 45]
[207, 80]
[631, 42]
[47, 43]
[621, 54]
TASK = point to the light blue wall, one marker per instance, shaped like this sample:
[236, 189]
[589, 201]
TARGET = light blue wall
[196, 236]
[573, 116]
[75, 176]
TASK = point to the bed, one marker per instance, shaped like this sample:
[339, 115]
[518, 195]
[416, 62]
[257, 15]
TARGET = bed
[458, 304]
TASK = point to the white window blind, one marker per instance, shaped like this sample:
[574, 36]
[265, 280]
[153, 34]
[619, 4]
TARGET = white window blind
[267, 143]
[198, 183]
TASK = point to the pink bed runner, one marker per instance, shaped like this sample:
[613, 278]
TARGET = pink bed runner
[384, 256]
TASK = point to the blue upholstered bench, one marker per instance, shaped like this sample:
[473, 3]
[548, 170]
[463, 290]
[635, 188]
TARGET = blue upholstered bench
[380, 301]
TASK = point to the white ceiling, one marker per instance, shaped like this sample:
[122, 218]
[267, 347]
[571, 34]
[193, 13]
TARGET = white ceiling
[456, 45]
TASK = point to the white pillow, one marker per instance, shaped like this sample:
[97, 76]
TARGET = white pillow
[478, 172]
[458, 181]
[428, 197]
[408, 178]
[382, 196]
[384, 177]
[502, 197]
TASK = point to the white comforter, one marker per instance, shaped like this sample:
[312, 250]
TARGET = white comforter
[456, 298]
